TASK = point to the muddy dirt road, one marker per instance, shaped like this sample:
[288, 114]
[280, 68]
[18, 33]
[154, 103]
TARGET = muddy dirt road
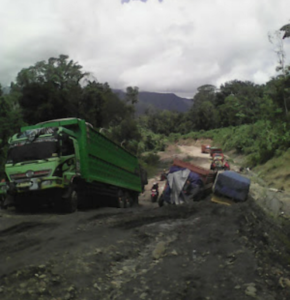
[201, 251]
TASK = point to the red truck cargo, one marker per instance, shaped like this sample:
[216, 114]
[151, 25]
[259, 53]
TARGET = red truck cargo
[207, 176]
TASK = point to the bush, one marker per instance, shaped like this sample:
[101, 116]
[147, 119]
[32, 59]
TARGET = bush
[174, 137]
[151, 158]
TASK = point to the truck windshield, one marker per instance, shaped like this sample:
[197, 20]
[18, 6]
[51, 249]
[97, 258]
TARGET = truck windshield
[39, 149]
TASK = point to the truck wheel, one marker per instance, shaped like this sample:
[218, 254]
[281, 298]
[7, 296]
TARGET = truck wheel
[134, 199]
[121, 201]
[2, 201]
[84, 199]
[70, 203]
[22, 203]
[128, 200]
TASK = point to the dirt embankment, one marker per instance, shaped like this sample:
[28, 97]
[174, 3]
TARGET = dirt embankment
[197, 251]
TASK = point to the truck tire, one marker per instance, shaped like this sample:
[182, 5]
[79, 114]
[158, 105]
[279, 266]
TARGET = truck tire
[68, 203]
[20, 203]
[121, 201]
[128, 200]
[135, 199]
[2, 202]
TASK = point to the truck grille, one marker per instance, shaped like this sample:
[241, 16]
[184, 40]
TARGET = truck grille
[30, 174]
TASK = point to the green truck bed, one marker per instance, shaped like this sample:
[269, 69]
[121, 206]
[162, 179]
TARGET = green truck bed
[104, 161]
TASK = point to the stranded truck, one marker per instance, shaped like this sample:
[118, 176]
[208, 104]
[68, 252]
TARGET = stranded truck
[68, 164]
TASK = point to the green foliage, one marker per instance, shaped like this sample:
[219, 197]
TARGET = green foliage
[202, 112]
[174, 137]
[50, 90]
[165, 122]
[150, 161]
[61, 72]
[286, 30]
[132, 94]
[151, 141]
[151, 158]
[10, 123]
[59, 88]
[127, 135]
[92, 102]
[259, 141]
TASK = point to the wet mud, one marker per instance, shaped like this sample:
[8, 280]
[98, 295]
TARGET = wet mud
[200, 250]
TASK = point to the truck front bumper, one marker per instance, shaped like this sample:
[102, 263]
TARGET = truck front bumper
[35, 184]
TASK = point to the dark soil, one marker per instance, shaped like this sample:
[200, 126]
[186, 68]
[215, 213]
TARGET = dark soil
[197, 251]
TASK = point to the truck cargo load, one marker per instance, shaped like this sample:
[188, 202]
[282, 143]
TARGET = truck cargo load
[186, 182]
[207, 176]
[232, 185]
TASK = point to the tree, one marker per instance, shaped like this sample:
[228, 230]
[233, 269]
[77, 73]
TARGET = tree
[202, 112]
[10, 122]
[50, 89]
[286, 30]
[231, 112]
[60, 72]
[277, 90]
[92, 102]
[127, 135]
[132, 94]
[277, 40]
[246, 98]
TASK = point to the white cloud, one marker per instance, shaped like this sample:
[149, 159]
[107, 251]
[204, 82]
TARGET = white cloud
[170, 46]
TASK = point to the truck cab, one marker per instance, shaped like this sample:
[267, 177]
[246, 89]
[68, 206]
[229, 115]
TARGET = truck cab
[41, 159]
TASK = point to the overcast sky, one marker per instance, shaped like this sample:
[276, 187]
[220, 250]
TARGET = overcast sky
[157, 45]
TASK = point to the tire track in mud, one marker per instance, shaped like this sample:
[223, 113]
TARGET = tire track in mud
[26, 226]
[157, 215]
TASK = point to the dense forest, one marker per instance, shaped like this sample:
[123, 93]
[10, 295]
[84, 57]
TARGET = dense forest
[241, 115]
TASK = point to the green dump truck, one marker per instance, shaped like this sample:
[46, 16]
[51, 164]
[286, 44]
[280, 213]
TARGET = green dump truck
[68, 164]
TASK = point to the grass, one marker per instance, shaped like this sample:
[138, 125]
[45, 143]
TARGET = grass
[276, 171]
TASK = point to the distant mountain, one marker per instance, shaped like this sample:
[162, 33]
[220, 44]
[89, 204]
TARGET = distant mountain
[160, 101]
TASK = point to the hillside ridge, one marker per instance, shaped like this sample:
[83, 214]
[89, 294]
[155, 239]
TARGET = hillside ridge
[158, 101]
